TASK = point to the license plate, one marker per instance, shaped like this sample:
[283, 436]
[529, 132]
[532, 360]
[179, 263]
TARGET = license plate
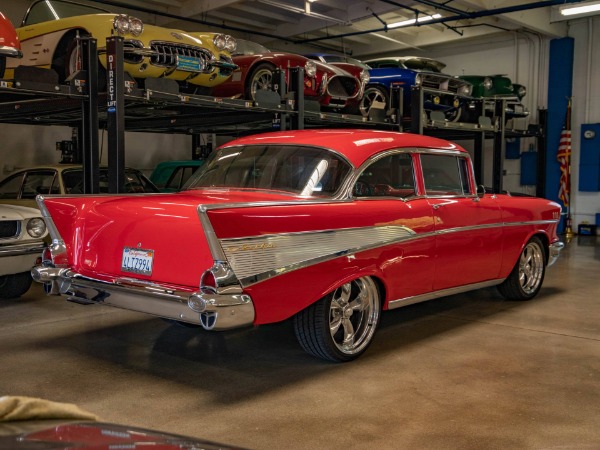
[189, 64]
[137, 260]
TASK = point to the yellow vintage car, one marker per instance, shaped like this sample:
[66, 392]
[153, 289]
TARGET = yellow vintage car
[50, 28]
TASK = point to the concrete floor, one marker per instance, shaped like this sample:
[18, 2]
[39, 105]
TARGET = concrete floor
[471, 371]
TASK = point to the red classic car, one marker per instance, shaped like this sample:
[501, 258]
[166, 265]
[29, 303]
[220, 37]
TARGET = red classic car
[327, 227]
[9, 43]
[332, 86]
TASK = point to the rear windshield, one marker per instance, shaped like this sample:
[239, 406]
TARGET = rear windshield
[305, 171]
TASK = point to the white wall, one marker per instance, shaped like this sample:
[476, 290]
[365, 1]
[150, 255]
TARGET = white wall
[28, 145]
[586, 109]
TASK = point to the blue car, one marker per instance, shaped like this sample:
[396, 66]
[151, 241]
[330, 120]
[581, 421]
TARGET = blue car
[445, 93]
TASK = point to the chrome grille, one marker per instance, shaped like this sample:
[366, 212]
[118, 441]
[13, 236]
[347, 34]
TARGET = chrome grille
[165, 53]
[442, 83]
[9, 228]
[342, 87]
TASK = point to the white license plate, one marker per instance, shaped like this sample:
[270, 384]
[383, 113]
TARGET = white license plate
[137, 260]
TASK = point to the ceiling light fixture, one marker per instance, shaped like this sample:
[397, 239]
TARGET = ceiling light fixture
[408, 22]
[579, 8]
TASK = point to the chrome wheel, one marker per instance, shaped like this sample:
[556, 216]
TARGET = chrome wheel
[341, 325]
[262, 78]
[531, 268]
[373, 94]
[527, 276]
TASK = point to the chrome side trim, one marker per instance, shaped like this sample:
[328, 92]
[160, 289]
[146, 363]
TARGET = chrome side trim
[393, 304]
[257, 258]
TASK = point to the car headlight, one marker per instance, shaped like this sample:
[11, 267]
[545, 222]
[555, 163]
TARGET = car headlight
[219, 41]
[521, 91]
[230, 44]
[124, 24]
[310, 68]
[364, 76]
[136, 26]
[36, 227]
[487, 83]
[418, 80]
[465, 89]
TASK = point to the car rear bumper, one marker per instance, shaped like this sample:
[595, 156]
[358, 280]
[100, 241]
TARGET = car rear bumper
[555, 249]
[210, 310]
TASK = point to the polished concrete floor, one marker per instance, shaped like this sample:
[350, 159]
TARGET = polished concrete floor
[471, 371]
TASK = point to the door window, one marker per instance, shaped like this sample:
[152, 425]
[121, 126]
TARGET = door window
[445, 175]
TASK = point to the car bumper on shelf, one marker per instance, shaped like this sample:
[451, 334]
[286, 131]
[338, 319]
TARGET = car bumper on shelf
[211, 311]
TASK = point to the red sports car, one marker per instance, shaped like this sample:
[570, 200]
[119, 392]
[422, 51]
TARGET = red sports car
[9, 43]
[327, 227]
[332, 86]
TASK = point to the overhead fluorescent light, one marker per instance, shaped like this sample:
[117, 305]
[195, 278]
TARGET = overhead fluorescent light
[579, 8]
[408, 22]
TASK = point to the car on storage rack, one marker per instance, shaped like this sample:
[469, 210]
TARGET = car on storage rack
[9, 43]
[50, 28]
[22, 186]
[171, 176]
[328, 227]
[499, 87]
[331, 86]
[442, 92]
[22, 231]
[351, 65]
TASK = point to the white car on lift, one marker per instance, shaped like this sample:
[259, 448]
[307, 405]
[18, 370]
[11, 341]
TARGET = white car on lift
[22, 232]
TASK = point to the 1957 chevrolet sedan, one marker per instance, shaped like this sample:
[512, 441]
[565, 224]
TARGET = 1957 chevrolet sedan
[327, 227]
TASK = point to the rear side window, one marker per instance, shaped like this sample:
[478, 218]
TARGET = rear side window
[445, 175]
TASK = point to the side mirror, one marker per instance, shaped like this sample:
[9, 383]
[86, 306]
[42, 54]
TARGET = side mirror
[480, 191]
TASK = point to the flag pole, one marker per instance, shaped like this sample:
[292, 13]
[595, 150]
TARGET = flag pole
[569, 230]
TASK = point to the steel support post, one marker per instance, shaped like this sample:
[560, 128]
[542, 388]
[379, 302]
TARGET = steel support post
[540, 189]
[417, 100]
[115, 122]
[297, 85]
[499, 146]
[88, 132]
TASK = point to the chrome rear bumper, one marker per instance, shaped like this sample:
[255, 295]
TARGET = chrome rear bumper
[210, 310]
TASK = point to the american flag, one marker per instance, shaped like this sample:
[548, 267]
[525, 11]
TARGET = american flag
[564, 158]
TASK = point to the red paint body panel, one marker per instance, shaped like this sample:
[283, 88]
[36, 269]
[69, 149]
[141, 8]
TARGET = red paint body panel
[9, 41]
[449, 241]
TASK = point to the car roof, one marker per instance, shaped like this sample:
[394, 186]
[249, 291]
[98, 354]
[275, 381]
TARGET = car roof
[356, 145]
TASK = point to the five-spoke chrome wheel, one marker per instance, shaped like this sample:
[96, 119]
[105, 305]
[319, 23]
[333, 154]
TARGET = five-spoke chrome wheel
[261, 78]
[525, 280]
[341, 325]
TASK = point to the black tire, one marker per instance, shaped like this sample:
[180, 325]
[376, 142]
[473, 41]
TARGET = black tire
[374, 93]
[260, 78]
[2, 65]
[68, 59]
[13, 286]
[526, 278]
[341, 326]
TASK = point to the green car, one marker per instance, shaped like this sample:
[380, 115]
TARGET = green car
[499, 87]
[170, 176]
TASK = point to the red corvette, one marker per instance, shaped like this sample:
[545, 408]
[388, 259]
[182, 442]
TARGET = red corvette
[327, 227]
[9, 43]
[332, 86]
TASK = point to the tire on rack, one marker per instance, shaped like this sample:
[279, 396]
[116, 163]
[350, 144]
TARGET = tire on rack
[15, 285]
[68, 59]
[261, 77]
[340, 326]
[526, 278]
[374, 93]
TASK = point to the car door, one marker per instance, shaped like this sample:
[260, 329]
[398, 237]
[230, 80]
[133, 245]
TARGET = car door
[468, 229]
[387, 189]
